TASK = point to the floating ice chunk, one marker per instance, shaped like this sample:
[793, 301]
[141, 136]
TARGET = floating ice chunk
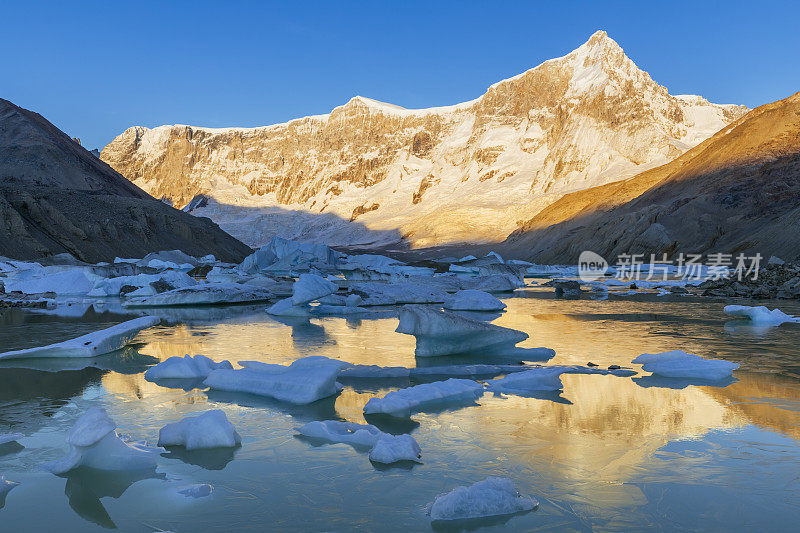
[679, 364]
[113, 286]
[5, 438]
[94, 444]
[537, 379]
[493, 496]
[370, 260]
[208, 430]
[285, 307]
[89, 345]
[360, 435]
[375, 372]
[546, 378]
[324, 310]
[378, 293]
[443, 333]
[186, 367]
[204, 294]
[351, 300]
[290, 253]
[760, 315]
[403, 402]
[57, 279]
[393, 448]
[198, 490]
[367, 372]
[310, 287]
[304, 381]
[473, 300]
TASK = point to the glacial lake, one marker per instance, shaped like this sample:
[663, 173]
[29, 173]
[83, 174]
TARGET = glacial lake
[608, 453]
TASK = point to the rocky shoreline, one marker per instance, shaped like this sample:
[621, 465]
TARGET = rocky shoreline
[774, 281]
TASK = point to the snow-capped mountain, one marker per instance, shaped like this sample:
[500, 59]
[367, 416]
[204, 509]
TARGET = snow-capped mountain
[371, 173]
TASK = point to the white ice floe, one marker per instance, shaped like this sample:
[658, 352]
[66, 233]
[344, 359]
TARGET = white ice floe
[113, 286]
[494, 496]
[679, 364]
[285, 307]
[473, 300]
[204, 294]
[443, 332]
[761, 316]
[208, 430]
[403, 402]
[367, 372]
[546, 378]
[360, 435]
[351, 300]
[90, 345]
[310, 287]
[5, 438]
[304, 381]
[186, 367]
[198, 490]
[94, 444]
[58, 279]
[379, 293]
[337, 310]
[393, 448]
[284, 254]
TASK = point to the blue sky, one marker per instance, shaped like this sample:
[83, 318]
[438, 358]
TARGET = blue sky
[96, 68]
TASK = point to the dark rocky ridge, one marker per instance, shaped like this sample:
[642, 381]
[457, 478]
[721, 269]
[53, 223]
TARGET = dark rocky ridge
[736, 192]
[56, 197]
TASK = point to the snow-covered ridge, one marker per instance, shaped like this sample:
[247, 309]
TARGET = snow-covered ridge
[371, 172]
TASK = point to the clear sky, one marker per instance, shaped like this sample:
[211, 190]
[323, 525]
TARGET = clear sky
[96, 68]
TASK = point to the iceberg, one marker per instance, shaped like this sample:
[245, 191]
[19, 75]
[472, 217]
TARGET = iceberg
[89, 345]
[761, 316]
[679, 364]
[402, 403]
[186, 367]
[392, 448]
[94, 443]
[358, 435]
[546, 378]
[310, 287]
[473, 300]
[208, 430]
[57, 279]
[368, 372]
[304, 381]
[204, 294]
[285, 307]
[444, 333]
[493, 496]
[379, 293]
[292, 254]
[6, 438]
[113, 286]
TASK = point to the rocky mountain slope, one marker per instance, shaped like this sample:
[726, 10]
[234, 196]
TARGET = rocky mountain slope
[371, 173]
[737, 192]
[57, 197]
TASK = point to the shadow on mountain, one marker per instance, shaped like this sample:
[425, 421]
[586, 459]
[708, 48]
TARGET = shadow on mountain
[737, 192]
[257, 225]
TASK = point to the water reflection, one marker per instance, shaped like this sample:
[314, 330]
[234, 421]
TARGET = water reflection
[605, 453]
[85, 488]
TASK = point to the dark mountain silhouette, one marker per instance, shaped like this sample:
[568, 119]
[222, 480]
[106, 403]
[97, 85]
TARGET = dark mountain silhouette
[55, 197]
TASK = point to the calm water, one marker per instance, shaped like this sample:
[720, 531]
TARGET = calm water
[608, 453]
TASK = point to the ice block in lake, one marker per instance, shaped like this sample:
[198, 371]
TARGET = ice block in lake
[494, 496]
[304, 381]
[473, 300]
[761, 315]
[443, 333]
[208, 430]
[186, 367]
[310, 287]
[679, 364]
[94, 443]
[90, 345]
[403, 402]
